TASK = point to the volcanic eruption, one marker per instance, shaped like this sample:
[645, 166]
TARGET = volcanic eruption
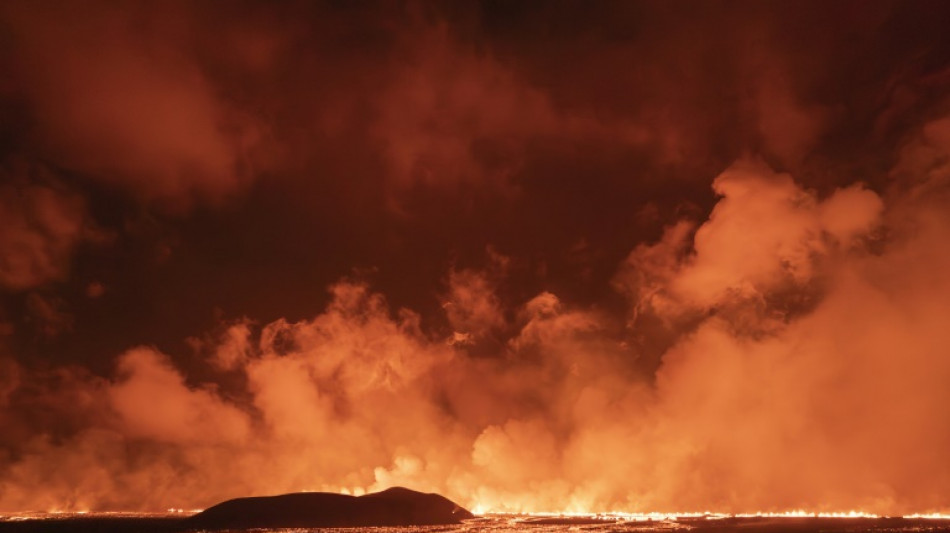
[562, 257]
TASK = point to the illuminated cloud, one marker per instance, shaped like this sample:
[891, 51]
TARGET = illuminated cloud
[40, 227]
[765, 235]
[141, 116]
[154, 403]
[636, 257]
[471, 304]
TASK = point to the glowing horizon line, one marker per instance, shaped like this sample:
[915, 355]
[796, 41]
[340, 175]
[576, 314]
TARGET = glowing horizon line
[619, 515]
[716, 515]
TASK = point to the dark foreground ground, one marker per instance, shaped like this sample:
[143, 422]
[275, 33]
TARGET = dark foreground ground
[508, 524]
[395, 507]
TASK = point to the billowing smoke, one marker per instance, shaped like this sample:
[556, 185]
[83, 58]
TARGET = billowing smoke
[770, 334]
[41, 224]
[92, 115]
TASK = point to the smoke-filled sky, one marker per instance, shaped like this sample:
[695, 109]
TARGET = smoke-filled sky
[578, 256]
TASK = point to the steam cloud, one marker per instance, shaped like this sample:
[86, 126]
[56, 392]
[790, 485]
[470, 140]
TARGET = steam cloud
[784, 347]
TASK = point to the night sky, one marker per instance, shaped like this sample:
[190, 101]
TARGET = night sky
[532, 255]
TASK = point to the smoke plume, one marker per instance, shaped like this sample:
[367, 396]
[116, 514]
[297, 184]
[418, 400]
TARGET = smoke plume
[590, 258]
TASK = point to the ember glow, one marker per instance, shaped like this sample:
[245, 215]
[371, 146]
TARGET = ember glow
[614, 257]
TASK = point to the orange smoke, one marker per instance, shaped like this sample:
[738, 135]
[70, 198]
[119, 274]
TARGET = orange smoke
[694, 286]
[814, 332]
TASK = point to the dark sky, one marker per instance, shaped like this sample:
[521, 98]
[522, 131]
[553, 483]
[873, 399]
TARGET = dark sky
[177, 174]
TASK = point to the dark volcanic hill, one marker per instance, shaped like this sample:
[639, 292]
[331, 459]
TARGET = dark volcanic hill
[392, 507]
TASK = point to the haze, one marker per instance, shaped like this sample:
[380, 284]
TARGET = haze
[573, 256]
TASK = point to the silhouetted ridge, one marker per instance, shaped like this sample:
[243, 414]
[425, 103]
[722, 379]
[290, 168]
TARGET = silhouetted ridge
[397, 506]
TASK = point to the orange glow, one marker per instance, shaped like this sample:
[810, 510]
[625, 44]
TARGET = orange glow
[707, 515]
[606, 260]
